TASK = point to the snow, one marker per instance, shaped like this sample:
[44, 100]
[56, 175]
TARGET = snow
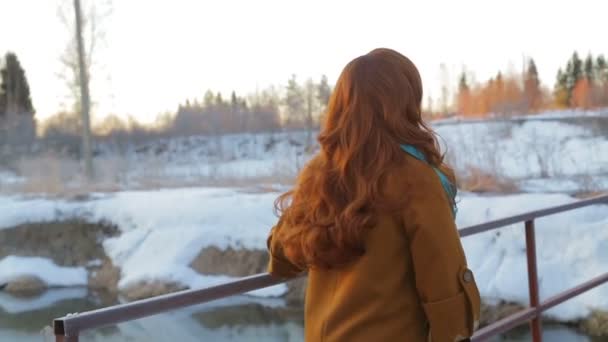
[198, 218]
[530, 149]
[572, 249]
[562, 144]
[163, 231]
[15, 305]
[228, 157]
[546, 115]
[552, 145]
[551, 185]
[16, 211]
[13, 267]
[9, 178]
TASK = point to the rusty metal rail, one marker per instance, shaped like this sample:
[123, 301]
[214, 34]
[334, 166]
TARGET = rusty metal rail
[68, 328]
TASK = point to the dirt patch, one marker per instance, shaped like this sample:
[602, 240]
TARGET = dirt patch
[25, 286]
[67, 243]
[71, 243]
[105, 276]
[250, 315]
[146, 289]
[491, 313]
[232, 262]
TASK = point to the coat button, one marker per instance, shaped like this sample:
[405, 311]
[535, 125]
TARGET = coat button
[467, 276]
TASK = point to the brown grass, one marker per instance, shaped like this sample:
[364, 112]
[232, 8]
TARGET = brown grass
[53, 175]
[476, 180]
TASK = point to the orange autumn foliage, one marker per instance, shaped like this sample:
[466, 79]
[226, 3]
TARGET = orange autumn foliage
[581, 94]
[502, 95]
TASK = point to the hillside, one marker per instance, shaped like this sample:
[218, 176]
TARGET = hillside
[553, 152]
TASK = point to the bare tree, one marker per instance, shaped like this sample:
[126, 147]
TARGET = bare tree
[94, 14]
[445, 88]
[323, 96]
[78, 59]
[295, 103]
[85, 101]
[311, 110]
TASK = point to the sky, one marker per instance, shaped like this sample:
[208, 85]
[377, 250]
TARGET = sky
[156, 54]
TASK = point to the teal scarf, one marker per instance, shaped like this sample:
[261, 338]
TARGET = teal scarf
[450, 189]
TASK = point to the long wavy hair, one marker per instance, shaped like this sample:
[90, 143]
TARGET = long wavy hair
[374, 108]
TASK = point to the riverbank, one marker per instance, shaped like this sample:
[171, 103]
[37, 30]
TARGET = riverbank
[235, 319]
[192, 238]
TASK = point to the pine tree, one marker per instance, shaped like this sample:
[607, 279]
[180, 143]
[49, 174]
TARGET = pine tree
[295, 102]
[574, 72]
[600, 73]
[499, 96]
[589, 68]
[463, 84]
[464, 95]
[323, 91]
[601, 80]
[532, 91]
[221, 115]
[208, 99]
[234, 102]
[237, 117]
[14, 88]
[561, 89]
[17, 125]
[587, 88]
[219, 101]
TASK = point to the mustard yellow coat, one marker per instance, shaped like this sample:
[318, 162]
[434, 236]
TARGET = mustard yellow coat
[411, 285]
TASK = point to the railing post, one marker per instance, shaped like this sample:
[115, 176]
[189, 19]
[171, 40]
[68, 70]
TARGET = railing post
[535, 323]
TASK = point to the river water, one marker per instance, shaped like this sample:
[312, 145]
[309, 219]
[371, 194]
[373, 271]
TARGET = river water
[233, 319]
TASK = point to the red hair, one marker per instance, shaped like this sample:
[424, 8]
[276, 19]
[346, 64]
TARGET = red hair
[374, 108]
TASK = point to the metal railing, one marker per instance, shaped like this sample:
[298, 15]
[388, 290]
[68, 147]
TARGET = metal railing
[67, 329]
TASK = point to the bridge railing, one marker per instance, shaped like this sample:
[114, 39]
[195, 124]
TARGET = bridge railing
[68, 328]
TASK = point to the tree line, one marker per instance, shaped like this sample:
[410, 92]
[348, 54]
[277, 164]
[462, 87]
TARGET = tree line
[298, 104]
[579, 84]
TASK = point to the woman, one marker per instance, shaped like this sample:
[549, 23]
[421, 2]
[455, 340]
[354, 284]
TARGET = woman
[371, 218]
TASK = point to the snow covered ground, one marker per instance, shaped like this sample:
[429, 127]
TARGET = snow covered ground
[163, 231]
[532, 153]
[531, 149]
[572, 247]
[13, 304]
[13, 267]
[546, 115]
[551, 152]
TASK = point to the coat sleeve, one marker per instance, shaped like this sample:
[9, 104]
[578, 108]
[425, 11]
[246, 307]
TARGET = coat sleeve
[445, 285]
[279, 265]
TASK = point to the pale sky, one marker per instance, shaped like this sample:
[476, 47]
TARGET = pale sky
[158, 53]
